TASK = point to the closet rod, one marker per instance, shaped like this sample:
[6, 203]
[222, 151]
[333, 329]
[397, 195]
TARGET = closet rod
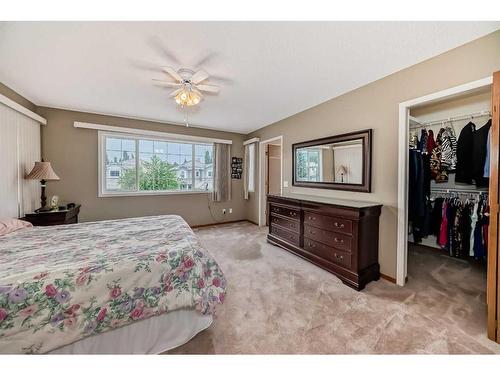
[470, 116]
[454, 190]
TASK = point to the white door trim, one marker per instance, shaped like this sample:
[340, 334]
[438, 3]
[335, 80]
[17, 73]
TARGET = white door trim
[404, 112]
[262, 175]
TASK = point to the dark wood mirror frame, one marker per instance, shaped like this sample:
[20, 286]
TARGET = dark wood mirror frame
[365, 186]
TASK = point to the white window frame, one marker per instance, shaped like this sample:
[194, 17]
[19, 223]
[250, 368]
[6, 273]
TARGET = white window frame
[102, 192]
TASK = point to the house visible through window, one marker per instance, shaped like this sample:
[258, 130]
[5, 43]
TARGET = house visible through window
[135, 164]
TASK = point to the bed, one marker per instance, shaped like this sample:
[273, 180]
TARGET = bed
[140, 285]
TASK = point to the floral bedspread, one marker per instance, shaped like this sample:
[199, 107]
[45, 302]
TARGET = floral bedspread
[60, 284]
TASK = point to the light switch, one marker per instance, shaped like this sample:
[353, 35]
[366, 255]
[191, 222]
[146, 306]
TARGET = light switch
[285, 183]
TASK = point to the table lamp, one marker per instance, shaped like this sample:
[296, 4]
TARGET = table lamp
[43, 171]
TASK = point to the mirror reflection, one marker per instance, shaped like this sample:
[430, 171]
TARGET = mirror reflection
[338, 162]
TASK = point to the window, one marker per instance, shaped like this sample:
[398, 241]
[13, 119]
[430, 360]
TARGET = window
[251, 167]
[308, 165]
[140, 165]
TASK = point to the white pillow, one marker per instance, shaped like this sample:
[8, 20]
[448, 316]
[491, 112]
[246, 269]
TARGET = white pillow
[8, 225]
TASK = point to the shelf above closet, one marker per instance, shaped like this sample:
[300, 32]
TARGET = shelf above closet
[416, 123]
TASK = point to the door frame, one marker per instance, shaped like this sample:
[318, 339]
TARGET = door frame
[404, 130]
[262, 175]
[493, 286]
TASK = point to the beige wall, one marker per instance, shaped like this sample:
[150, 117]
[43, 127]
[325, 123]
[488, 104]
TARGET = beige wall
[375, 106]
[12, 95]
[73, 154]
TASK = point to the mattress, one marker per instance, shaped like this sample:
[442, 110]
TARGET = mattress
[64, 283]
[155, 335]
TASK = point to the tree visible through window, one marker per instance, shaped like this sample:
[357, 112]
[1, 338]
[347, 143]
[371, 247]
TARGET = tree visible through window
[308, 165]
[133, 164]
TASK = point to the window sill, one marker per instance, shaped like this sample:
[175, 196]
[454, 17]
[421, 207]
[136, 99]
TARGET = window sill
[148, 193]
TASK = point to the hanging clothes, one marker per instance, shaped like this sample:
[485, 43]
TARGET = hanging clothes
[461, 225]
[438, 168]
[464, 171]
[431, 143]
[474, 218]
[480, 140]
[417, 200]
[487, 161]
[448, 149]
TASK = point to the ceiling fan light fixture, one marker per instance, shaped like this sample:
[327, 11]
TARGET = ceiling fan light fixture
[187, 98]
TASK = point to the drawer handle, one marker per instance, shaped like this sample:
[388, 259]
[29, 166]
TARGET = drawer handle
[312, 232]
[312, 218]
[293, 214]
[339, 257]
[337, 225]
[337, 240]
[312, 245]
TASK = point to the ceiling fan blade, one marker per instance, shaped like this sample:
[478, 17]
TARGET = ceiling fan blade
[197, 92]
[157, 44]
[160, 82]
[208, 88]
[199, 76]
[174, 93]
[172, 73]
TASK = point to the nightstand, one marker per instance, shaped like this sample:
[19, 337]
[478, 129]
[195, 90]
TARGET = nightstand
[56, 217]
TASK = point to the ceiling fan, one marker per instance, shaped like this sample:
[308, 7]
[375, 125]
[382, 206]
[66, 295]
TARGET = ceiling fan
[189, 85]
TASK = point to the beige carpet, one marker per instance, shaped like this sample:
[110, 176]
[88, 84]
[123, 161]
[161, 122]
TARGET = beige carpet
[279, 303]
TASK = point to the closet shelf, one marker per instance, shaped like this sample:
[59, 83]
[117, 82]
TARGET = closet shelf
[416, 123]
[454, 190]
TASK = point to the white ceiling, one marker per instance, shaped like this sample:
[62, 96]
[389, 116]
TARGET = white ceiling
[267, 70]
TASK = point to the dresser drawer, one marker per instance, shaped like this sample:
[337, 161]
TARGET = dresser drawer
[333, 239]
[285, 235]
[339, 257]
[335, 224]
[285, 223]
[289, 212]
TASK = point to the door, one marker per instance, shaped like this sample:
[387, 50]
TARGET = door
[493, 289]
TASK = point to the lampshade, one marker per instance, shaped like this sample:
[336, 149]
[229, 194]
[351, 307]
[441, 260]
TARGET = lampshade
[342, 169]
[42, 171]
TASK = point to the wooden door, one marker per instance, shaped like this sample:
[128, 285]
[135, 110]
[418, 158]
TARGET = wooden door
[493, 289]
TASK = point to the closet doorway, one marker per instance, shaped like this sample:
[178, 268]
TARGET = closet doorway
[271, 173]
[447, 195]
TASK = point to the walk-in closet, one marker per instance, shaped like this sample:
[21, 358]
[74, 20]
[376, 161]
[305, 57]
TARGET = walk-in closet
[448, 211]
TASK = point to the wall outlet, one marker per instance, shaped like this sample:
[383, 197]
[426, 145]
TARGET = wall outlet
[230, 210]
[224, 211]
[285, 183]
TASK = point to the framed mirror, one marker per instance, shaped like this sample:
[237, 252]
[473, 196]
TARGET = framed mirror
[340, 162]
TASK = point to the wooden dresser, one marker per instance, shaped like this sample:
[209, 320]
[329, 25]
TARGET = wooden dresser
[338, 235]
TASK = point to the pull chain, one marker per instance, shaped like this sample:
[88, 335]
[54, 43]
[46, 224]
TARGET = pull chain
[186, 115]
